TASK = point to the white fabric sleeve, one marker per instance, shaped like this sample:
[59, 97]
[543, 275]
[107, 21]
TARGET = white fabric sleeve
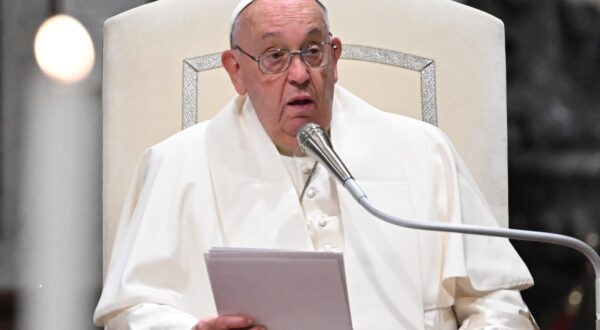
[502, 309]
[156, 278]
[481, 276]
[152, 316]
[440, 319]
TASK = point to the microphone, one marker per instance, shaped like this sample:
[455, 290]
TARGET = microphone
[314, 141]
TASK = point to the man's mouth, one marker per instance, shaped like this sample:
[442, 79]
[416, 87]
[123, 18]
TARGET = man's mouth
[301, 101]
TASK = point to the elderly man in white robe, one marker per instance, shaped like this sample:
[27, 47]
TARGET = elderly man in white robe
[237, 180]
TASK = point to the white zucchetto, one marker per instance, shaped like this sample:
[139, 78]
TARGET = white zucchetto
[238, 9]
[245, 3]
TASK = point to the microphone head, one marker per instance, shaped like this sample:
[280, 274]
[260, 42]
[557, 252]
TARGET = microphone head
[314, 141]
[308, 132]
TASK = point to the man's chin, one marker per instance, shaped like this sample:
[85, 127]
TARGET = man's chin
[288, 151]
[292, 126]
[287, 145]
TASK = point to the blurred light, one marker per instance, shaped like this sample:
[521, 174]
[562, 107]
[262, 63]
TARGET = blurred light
[63, 49]
[575, 297]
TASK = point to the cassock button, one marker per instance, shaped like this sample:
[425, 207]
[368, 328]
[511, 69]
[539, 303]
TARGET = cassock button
[306, 169]
[322, 222]
[328, 247]
[311, 192]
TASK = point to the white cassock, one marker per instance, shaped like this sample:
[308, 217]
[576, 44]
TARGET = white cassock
[223, 183]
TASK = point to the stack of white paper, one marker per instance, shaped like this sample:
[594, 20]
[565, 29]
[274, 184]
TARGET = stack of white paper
[282, 290]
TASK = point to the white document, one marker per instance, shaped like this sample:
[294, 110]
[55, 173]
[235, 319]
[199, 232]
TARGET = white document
[282, 290]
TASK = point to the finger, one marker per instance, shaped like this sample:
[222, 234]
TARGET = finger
[205, 324]
[235, 321]
[256, 327]
[225, 322]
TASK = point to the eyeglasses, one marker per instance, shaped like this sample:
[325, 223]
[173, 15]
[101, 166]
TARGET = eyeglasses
[314, 55]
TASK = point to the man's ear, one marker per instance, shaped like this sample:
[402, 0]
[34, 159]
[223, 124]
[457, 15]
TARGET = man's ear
[336, 55]
[232, 66]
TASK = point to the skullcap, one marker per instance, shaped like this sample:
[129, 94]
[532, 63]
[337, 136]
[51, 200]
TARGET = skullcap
[238, 9]
[245, 3]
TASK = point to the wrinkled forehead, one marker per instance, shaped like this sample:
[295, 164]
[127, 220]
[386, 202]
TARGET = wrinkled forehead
[245, 3]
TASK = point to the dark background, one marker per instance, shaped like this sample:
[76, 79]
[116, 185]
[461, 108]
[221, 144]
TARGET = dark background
[553, 75]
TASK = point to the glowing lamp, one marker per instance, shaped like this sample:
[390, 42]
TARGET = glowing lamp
[63, 49]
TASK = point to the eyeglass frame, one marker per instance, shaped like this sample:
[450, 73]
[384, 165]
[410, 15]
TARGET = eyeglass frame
[292, 53]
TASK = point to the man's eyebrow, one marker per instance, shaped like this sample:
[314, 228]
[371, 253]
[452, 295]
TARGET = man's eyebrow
[313, 31]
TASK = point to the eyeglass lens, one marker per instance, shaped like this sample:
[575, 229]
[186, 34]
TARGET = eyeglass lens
[314, 55]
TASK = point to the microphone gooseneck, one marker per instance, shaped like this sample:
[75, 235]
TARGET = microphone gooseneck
[314, 141]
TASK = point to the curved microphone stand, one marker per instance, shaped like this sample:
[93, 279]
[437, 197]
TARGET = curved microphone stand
[314, 141]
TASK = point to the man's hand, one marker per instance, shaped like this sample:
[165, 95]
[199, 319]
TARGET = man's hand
[227, 322]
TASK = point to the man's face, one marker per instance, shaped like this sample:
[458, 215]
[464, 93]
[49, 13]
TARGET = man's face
[287, 100]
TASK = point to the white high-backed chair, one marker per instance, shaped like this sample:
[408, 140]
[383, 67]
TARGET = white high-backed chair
[436, 60]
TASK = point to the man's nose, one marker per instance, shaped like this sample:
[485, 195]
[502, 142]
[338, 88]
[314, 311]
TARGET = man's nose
[298, 71]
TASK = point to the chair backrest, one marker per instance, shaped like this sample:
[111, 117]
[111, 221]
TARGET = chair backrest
[432, 59]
